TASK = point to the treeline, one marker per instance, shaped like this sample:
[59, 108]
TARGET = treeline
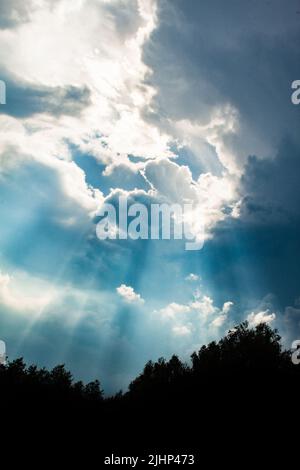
[19, 381]
[237, 392]
[243, 353]
[244, 357]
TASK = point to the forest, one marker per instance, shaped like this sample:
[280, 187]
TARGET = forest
[246, 380]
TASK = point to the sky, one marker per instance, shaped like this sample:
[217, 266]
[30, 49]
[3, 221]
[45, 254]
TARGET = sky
[159, 101]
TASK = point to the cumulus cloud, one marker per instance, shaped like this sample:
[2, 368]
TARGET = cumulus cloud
[107, 72]
[94, 101]
[129, 295]
[174, 309]
[265, 316]
[208, 197]
[204, 306]
[110, 96]
[90, 99]
[172, 181]
[196, 318]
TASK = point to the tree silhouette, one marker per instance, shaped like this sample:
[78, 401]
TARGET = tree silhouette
[232, 379]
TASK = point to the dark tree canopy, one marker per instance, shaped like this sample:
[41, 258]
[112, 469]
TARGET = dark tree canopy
[242, 378]
[243, 352]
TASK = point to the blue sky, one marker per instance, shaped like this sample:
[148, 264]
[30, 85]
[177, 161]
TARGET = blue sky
[174, 100]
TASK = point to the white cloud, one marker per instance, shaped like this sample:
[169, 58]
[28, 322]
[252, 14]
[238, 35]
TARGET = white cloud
[70, 51]
[195, 317]
[207, 197]
[265, 316]
[204, 306]
[174, 309]
[172, 181]
[226, 307]
[181, 330]
[128, 295]
[23, 293]
[219, 321]
[223, 317]
[214, 129]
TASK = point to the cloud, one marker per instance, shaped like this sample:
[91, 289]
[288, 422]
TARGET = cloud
[95, 102]
[204, 306]
[63, 176]
[90, 100]
[174, 309]
[24, 294]
[181, 330]
[270, 188]
[219, 321]
[225, 91]
[209, 196]
[14, 12]
[128, 295]
[48, 215]
[76, 68]
[255, 319]
[172, 181]
[24, 99]
[227, 307]
[195, 318]
[291, 324]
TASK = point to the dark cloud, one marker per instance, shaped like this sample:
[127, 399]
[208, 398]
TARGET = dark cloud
[24, 99]
[259, 252]
[204, 54]
[270, 188]
[14, 12]
[291, 324]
